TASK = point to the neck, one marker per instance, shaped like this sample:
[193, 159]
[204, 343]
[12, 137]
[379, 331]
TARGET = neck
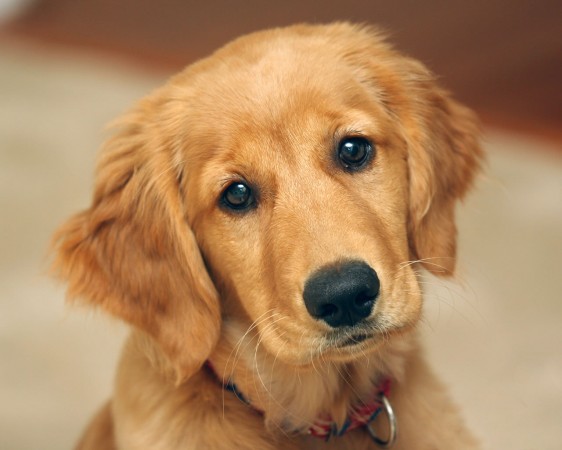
[292, 397]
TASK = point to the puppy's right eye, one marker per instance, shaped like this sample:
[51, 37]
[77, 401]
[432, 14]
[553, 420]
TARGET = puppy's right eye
[238, 196]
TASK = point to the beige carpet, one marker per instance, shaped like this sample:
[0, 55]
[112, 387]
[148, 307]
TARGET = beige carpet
[496, 337]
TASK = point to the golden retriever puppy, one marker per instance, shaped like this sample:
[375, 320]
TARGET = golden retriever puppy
[260, 221]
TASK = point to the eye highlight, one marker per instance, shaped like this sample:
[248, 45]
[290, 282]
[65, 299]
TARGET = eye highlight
[238, 196]
[355, 152]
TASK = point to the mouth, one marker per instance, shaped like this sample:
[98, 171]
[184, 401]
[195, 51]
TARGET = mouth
[354, 339]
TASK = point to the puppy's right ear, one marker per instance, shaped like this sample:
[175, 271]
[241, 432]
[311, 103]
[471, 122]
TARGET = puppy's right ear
[132, 253]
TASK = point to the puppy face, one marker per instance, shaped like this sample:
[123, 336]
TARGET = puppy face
[308, 167]
[275, 199]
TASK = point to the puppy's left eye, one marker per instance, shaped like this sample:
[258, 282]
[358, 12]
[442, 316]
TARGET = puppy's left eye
[355, 152]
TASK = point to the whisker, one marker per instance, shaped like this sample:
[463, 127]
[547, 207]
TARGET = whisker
[271, 397]
[257, 371]
[252, 326]
[236, 348]
[275, 360]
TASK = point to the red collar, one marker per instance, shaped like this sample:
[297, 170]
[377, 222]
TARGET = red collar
[359, 416]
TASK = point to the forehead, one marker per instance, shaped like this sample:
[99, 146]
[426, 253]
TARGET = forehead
[273, 107]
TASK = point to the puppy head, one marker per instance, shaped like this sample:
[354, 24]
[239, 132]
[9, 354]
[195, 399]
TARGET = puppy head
[289, 159]
[324, 164]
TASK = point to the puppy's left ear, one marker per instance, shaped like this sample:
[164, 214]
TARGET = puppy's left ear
[444, 155]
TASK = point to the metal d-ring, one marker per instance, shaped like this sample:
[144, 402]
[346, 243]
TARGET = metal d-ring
[392, 426]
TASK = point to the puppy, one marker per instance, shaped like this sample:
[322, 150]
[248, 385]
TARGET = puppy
[260, 222]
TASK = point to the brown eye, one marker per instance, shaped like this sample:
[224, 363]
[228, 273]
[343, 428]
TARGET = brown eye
[355, 152]
[238, 196]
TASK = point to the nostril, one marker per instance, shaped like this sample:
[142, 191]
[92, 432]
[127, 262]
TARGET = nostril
[328, 310]
[364, 299]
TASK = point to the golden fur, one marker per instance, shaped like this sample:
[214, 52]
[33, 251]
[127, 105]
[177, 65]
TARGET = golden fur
[197, 282]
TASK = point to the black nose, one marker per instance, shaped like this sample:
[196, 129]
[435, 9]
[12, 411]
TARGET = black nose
[342, 294]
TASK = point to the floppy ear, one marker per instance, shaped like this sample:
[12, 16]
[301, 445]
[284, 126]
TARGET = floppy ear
[444, 155]
[132, 252]
[442, 138]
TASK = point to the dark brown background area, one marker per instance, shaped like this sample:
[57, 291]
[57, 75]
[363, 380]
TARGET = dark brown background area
[502, 57]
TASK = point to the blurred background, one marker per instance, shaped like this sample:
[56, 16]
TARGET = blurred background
[68, 67]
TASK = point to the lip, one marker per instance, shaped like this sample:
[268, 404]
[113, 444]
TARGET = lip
[355, 339]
